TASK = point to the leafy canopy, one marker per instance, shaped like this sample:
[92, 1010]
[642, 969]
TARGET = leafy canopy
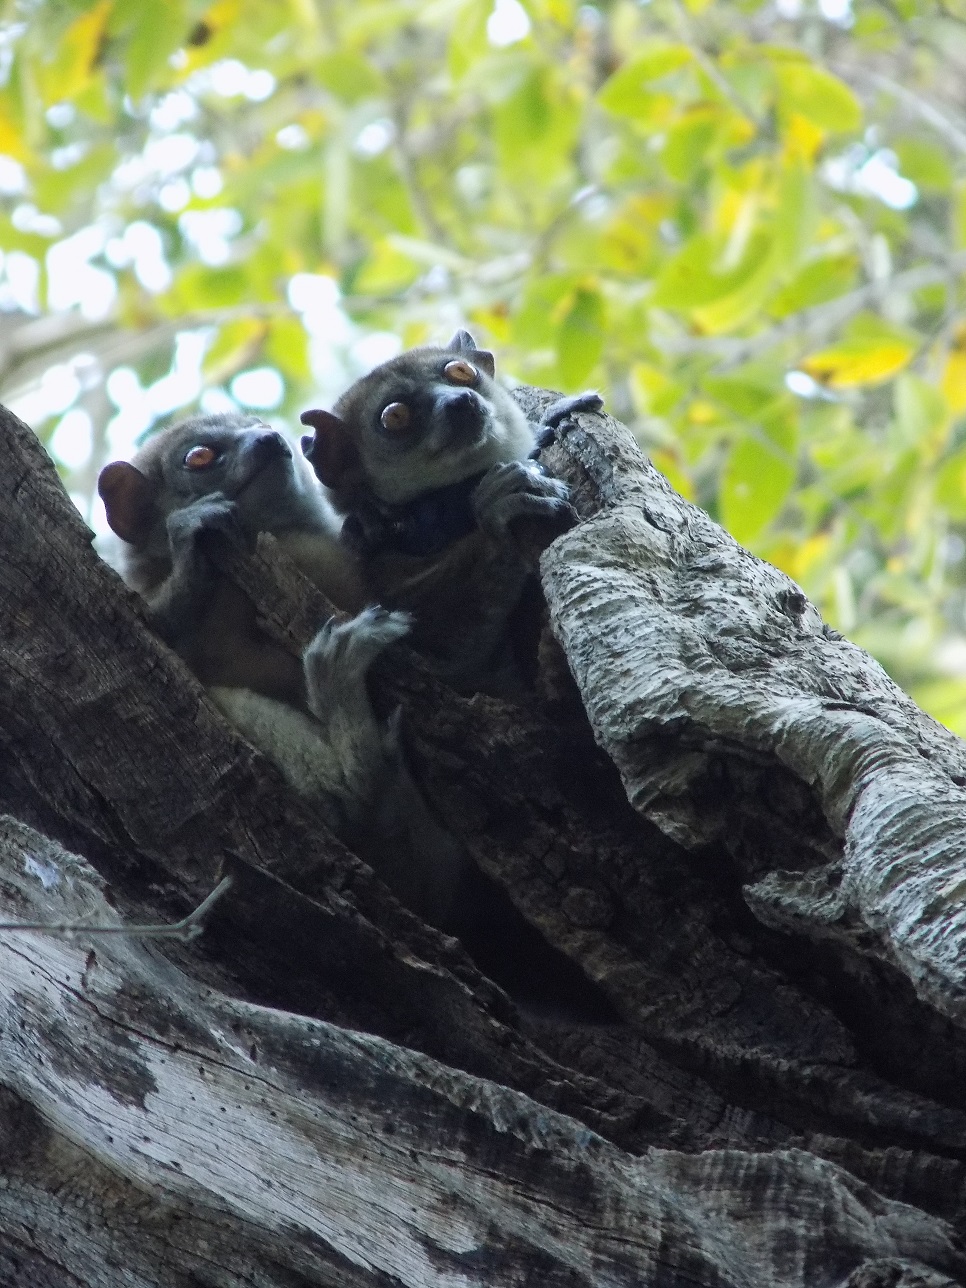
[745, 222]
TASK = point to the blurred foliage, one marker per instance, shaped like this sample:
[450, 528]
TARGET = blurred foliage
[745, 222]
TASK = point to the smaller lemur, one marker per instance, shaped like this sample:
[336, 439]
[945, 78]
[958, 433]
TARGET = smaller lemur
[430, 459]
[313, 716]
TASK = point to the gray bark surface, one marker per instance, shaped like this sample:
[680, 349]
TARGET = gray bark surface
[321, 1090]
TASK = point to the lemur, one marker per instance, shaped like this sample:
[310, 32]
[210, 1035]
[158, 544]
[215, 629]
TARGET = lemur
[312, 716]
[432, 462]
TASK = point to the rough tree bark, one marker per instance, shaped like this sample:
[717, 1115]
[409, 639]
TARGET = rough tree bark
[768, 891]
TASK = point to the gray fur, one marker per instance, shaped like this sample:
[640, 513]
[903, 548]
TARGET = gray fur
[315, 722]
[399, 469]
[455, 431]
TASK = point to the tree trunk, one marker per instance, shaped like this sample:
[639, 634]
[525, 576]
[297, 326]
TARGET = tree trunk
[757, 917]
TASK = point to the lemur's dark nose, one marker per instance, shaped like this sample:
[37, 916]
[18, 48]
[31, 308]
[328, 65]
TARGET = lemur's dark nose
[464, 411]
[269, 446]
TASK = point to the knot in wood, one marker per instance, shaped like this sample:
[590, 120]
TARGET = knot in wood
[793, 602]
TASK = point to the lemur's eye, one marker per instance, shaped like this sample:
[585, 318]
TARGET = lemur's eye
[459, 372]
[395, 417]
[200, 457]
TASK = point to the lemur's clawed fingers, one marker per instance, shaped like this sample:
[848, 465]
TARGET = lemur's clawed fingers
[543, 436]
[567, 407]
[561, 410]
[342, 651]
[564, 408]
[212, 513]
[527, 506]
[515, 490]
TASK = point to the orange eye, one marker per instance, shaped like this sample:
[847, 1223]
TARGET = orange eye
[461, 373]
[199, 458]
[395, 417]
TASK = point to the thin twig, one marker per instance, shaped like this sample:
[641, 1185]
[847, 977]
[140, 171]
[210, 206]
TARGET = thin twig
[926, 111]
[188, 928]
[710, 67]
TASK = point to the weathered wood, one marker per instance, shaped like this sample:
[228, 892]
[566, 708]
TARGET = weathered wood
[748, 1066]
[231, 1142]
[727, 704]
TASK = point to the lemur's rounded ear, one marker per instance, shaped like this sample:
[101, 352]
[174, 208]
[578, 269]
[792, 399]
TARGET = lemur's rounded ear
[330, 450]
[129, 499]
[463, 342]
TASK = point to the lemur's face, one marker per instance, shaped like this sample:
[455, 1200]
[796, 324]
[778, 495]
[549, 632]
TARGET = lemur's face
[422, 420]
[238, 456]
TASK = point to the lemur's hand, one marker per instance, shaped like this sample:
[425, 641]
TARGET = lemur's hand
[192, 571]
[343, 650]
[561, 410]
[518, 490]
[212, 513]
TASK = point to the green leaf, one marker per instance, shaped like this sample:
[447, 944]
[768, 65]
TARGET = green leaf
[238, 344]
[198, 287]
[387, 269]
[925, 163]
[159, 29]
[795, 215]
[951, 486]
[534, 324]
[818, 281]
[535, 128]
[56, 190]
[689, 140]
[654, 393]
[287, 348]
[349, 77]
[749, 394]
[693, 276]
[580, 337]
[77, 53]
[945, 700]
[756, 482]
[625, 93]
[921, 411]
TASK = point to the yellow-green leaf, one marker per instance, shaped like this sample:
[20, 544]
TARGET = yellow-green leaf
[238, 344]
[819, 96]
[654, 393]
[349, 76]
[795, 215]
[945, 700]
[694, 276]
[925, 163]
[12, 142]
[820, 280]
[689, 140]
[869, 353]
[77, 54]
[287, 347]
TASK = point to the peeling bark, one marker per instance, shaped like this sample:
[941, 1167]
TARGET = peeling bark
[321, 1090]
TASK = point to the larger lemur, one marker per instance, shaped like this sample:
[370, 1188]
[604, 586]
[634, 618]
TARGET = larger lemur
[431, 461]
